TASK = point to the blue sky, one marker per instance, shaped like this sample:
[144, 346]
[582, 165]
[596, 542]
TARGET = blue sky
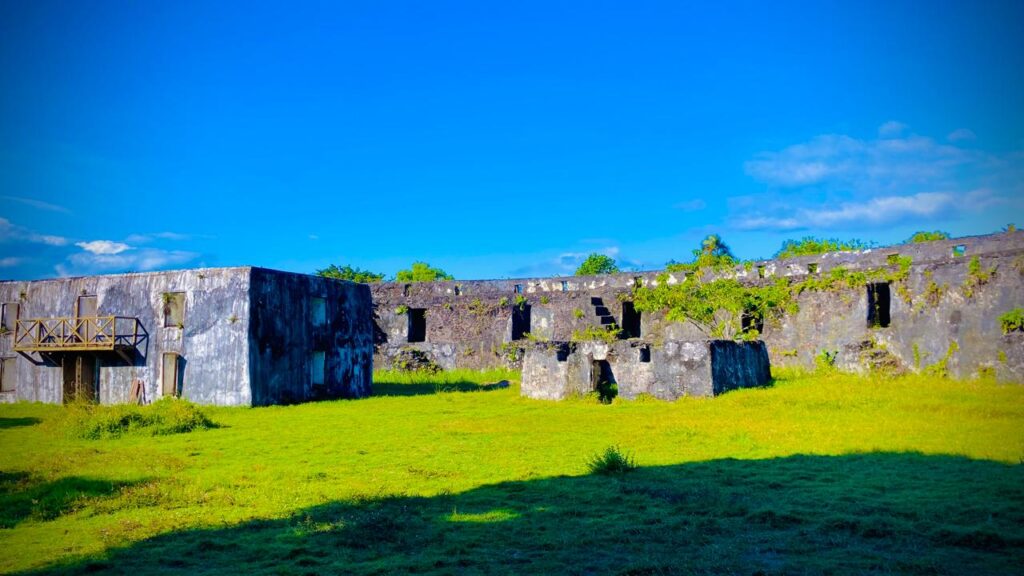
[496, 141]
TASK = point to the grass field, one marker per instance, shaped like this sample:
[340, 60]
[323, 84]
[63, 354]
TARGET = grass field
[817, 474]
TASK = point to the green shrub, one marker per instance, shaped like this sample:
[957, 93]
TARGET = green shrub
[826, 359]
[1012, 321]
[923, 236]
[165, 416]
[597, 264]
[351, 274]
[422, 272]
[809, 246]
[611, 461]
[608, 334]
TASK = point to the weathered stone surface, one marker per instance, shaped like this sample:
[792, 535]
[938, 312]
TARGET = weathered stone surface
[938, 307]
[1009, 364]
[247, 337]
[670, 370]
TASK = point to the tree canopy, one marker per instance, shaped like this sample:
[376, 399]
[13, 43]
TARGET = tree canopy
[349, 273]
[422, 272]
[924, 236]
[597, 264]
[809, 245]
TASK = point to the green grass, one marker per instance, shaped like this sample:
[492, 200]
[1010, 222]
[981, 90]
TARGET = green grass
[452, 473]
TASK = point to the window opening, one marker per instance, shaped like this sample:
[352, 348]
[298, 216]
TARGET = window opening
[878, 305]
[417, 325]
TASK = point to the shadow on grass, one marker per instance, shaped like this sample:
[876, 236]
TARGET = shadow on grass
[891, 513]
[419, 389]
[23, 496]
[18, 422]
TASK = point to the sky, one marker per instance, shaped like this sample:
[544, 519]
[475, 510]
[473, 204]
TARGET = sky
[495, 140]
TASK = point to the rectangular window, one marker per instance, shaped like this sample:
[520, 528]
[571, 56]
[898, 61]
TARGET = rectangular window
[645, 354]
[760, 270]
[170, 377]
[318, 311]
[317, 367]
[174, 309]
[417, 325]
[565, 286]
[8, 374]
[10, 317]
[812, 268]
[518, 289]
[630, 320]
[520, 321]
[458, 290]
[878, 305]
[959, 250]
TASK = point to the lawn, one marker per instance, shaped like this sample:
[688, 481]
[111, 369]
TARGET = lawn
[817, 474]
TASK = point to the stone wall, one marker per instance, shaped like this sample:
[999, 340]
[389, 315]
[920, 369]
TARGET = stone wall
[213, 337]
[938, 308]
[248, 336]
[666, 370]
[298, 320]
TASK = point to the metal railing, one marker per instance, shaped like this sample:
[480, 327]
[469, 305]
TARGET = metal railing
[84, 333]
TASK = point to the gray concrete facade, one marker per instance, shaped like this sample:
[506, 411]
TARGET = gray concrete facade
[665, 370]
[236, 337]
[936, 308]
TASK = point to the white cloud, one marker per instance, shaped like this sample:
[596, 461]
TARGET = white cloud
[136, 260]
[891, 128]
[874, 212]
[960, 134]
[12, 233]
[10, 261]
[37, 204]
[858, 165]
[103, 247]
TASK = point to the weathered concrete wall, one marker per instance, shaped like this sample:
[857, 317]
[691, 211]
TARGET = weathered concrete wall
[667, 370]
[212, 340]
[937, 307]
[555, 371]
[286, 333]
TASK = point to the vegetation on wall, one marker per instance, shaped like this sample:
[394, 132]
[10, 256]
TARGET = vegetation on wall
[1012, 321]
[924, 236]
[422, 272]
[716, 305]
[597, 264]
[608, 334]
[350, 273]
[976, 276]
[809, 246]
[712, 255]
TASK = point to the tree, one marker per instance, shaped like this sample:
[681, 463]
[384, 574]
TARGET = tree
[713, 245]
[351, 274]
[923, 236]
[809, 246]
[422, 272]
[597, 264]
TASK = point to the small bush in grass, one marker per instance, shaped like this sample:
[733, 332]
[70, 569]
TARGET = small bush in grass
[611, 461]
[166, 416]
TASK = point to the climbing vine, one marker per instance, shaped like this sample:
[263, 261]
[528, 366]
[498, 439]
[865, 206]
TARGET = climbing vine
[715, 304]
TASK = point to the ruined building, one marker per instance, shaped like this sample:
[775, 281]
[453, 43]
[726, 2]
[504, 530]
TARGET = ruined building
[251, 336]
[933, 306]
[227, 336]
